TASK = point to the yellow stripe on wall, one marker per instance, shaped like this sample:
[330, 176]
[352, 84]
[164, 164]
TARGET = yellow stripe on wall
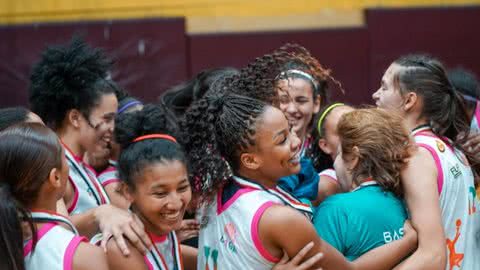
[210, 15]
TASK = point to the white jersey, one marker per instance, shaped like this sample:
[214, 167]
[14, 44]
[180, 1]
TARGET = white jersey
[109, 176]
[329, 174]
[475, 124]
[89, 193]
[229, 231]
[458, 202]
[55, 245]
[165, 253]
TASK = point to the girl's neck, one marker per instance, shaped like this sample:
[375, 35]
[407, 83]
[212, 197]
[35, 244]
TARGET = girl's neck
[413, 122]
[72, 144]
[250, 175]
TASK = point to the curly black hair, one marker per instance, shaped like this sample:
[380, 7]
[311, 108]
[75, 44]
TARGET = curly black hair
[69, 77]
[180, 97]
[134, 156]
[214, 132]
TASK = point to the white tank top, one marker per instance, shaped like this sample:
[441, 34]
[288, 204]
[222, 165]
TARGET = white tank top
[475, 124]
[109, 176]
[229, 232]
[88, 191]
[55, 246]
[329, 174]
[165, 253]
[458, 202]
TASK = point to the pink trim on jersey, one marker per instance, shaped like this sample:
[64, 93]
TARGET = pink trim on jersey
[75, 196]
[254, 231]
[109, 169]
[40, 233]
[438, 165]
[221, 208]
[477, 112]
[70, 252]
[110, 181]
[148, 263]
[445, 140]
[158, 238]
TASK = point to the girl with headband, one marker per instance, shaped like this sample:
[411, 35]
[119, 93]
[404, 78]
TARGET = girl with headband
[302, 86]
[325, 142]
[70, 93]
[238, 148]
[439, 179]
[154, 174]
[373, 147]
[33, 177]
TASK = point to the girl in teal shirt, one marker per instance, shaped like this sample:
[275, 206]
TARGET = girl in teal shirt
[373, 148]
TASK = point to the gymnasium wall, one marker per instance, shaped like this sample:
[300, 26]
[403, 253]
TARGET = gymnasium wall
[153, 54]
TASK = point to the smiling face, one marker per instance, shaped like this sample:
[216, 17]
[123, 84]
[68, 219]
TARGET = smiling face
[298, 103]
[161, 195]
[97, 128]
[277, 150]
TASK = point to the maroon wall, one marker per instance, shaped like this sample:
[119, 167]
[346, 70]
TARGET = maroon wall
[345, 51]
[357, 56]
[146, 72]
[451, 34]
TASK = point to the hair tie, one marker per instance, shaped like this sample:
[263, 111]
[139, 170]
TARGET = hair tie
[325, 113]
[302, 74]
[155, 136]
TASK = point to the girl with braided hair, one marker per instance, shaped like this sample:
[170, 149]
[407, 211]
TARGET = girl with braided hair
[238, 147]
[439, 178]
[70, 93]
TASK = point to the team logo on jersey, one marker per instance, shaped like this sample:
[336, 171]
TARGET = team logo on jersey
[440, 146]
[455, 171]
[229, 238]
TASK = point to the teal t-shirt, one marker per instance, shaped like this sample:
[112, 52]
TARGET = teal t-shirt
[361, 220]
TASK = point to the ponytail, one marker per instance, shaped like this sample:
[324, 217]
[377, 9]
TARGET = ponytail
[11, 234]
[215, 130]
[442, 105]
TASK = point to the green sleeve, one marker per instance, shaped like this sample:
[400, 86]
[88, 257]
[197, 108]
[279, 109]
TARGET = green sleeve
[330, 222]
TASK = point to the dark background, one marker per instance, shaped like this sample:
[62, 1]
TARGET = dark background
[155, 54]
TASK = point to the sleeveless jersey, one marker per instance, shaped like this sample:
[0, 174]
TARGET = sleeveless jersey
[165, 253]
[229, 232]
[458, 202]
[55, 246]
[89, 193]
[329, 174]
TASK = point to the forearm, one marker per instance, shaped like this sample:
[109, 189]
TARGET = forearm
[85, 223]
[189, 255]
[425, 259]
[386, 256]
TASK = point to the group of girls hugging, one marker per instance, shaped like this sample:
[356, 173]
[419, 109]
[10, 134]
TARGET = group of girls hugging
[250, 168]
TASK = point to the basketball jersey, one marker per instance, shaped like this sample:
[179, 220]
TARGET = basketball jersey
[109, 176]
[329, 174]
[475, 124]
[55, 245]
[165, 253]
[229, 231]
[458, 202]
[88, 192]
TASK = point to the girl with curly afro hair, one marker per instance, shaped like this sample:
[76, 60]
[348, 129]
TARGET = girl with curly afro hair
[70, 92]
